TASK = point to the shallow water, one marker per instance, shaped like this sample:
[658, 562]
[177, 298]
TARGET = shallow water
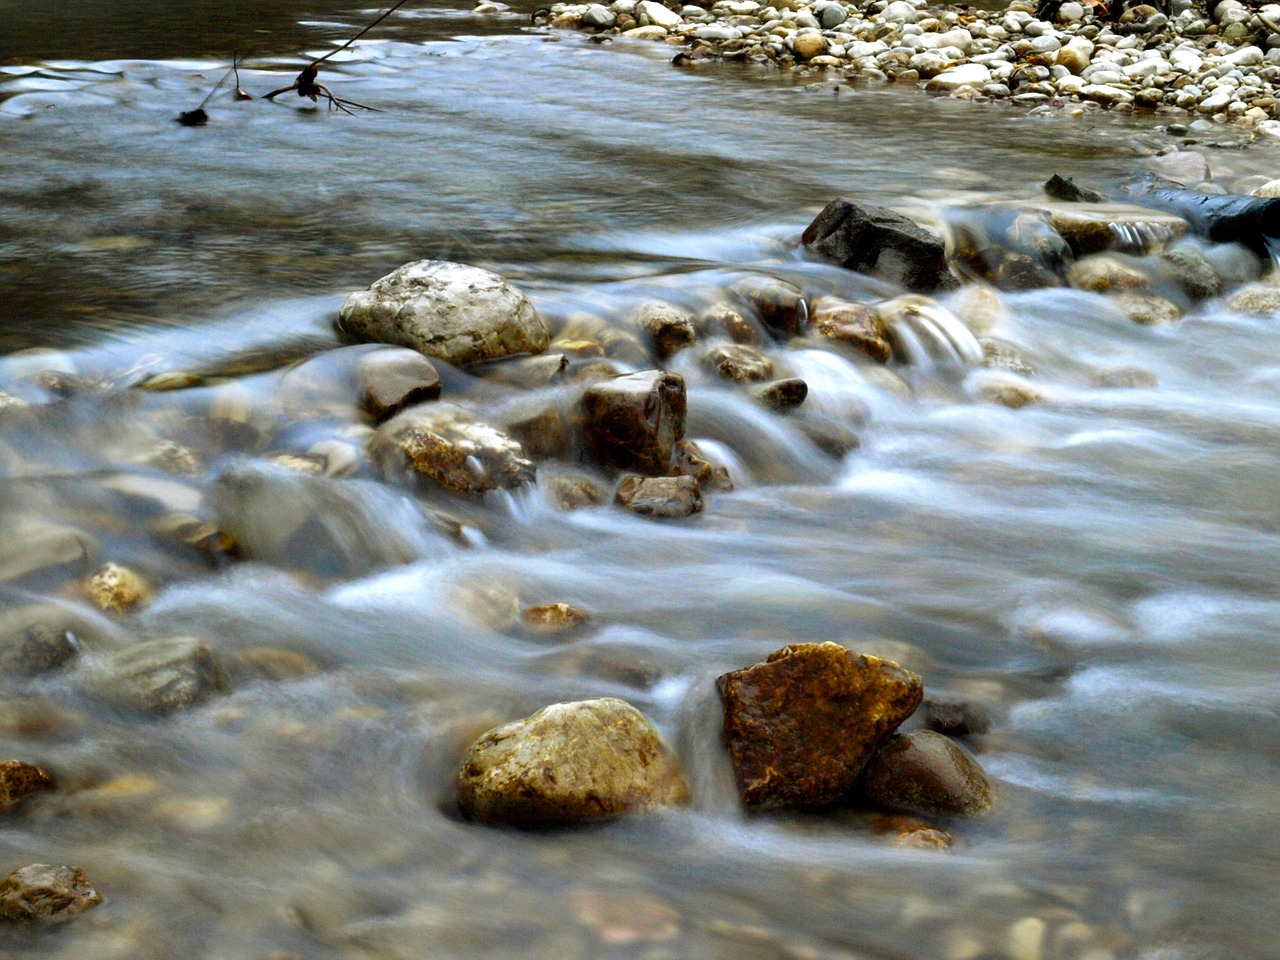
[1098, 569]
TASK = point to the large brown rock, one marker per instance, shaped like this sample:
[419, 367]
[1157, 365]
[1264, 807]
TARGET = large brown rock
[570, 763]
[446, 444]
[780, 305]
[671, 328]
[42, 893]
[632, 422]
[19, 780]
[800, 726]
[874, 240]
[458, 313]
[925, 772]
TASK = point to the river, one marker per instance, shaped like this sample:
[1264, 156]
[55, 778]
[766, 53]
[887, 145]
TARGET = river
[1099, 569]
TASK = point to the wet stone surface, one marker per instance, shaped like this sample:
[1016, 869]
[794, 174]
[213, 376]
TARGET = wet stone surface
[925, 772]
[42, 893]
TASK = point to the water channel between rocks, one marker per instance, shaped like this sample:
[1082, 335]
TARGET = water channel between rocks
[1098, 569]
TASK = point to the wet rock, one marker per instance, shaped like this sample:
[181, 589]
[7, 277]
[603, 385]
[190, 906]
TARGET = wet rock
[36, 639]
[723, 320]
[1147, 309]
[875, 240]
[390, 380]
[1192, 271]
[160, 676]
[544, 434]
[912, 832]
[632, 422]
[33, 548]
[1010, 246]
[855, 324]
[42, 893]
[1126, 378]
[782, 394]
[527, 373]
[1101, 227]
[801, 726]
[458, 313]
[955, 718]
[271, 663]
[1007, 390]
[738, 363]
[660, 498]
[19, 780]
[997, 355]
[570, 763]
[573, 492]
[779, 305]
[832, 436]
[1105, 273]
[117, 589]
[927, 773]
[553, 618]
[623, 664]
[1064, 188]
[670, 328]
[1257, 300]
[691, 461]
[444, 443]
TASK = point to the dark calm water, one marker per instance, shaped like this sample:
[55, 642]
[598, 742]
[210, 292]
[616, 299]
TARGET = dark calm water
[1099, 569]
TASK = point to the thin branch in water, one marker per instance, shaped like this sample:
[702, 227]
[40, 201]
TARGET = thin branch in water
[240, 91]
[197, 117]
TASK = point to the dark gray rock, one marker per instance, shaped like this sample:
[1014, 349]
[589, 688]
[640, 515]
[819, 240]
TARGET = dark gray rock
[877, 241]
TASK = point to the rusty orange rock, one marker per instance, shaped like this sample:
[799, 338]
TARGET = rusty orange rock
[801, 726]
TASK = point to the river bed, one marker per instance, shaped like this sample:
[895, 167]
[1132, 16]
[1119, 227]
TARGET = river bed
[1097, 569]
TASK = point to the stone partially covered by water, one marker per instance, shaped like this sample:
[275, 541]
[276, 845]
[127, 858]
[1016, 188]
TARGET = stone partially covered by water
[19, 780]
[159, 676]
[36, 638]
[390, 380]
[925, 772]
[872, 239]
[43, 893]
[854, 324]
[459, 313]
[660, 498]
[446, 444]
[570, 763]
[633, 422]
[801, 725]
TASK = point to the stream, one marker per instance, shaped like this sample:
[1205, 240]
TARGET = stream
[1098, 570]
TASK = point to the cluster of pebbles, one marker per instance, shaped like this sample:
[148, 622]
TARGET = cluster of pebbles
[1221, 64]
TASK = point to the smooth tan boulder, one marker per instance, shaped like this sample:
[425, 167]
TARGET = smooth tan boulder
[569, 763]
[458, 313]
[801, 726]
[632, 422]
[925, 772]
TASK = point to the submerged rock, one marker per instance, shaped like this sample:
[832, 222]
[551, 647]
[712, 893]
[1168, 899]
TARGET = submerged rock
[458, 313]
[925, 772]
[801, 725]
[446, 444]
[552, 618]
[33, 548]
[632, 422]
[660, 498]
[390, 380]
[42, 893]
[782, 394]
[35, 639]
[160, 676]
[692, 461]
[568, 492]
[670, 328]
[779, 305]
[118, 589]
[955, 718]
[738, 363]
[876, 240]
[570, 763]
[19, 780]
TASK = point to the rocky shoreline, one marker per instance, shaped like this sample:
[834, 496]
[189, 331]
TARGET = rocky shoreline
[1220, 65]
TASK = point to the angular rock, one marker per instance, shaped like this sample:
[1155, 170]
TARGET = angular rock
[19, 780]
[444, 443]
[117, 588]
[721, 319]
[632, 422]
[551, 618]
[35, 639]
[1059, 187]
[160, 676]
[738, 363]
[42, 893]
[458, 313]
[853, 323]
[573, 492]
[801, 725]
[691, 461]
[927, 773]
[390, 380]
[779, 305]
[782, 394]
[671, 328]
[570, 763]
[660, 498]
[877, 241]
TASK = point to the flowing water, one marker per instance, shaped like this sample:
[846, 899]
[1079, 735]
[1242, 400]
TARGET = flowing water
[1098, 569]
